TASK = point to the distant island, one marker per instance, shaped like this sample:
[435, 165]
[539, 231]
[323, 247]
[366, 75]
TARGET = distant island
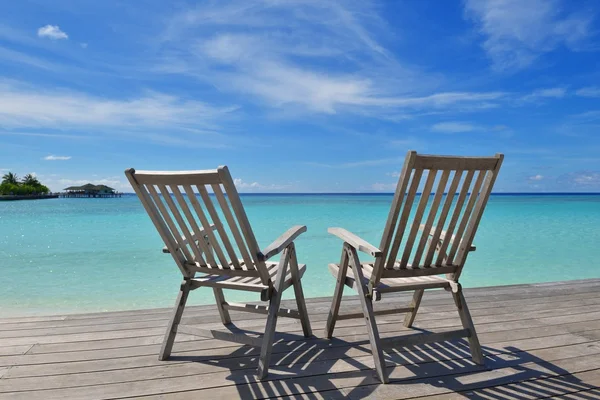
[28, 188]
[90, 190]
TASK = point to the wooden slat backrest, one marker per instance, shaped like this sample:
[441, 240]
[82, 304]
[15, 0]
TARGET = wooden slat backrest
[190, 222]
[439, 231]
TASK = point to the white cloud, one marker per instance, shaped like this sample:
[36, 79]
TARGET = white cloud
[305, 55]
[517, 32]
[252, 186]
[536, 177]
[590, 91]
[27, 106]
[453, 127]
[354, 164]
[586, 179]
[56, 158]
[549, 93]
[52, 32]
[384, 187]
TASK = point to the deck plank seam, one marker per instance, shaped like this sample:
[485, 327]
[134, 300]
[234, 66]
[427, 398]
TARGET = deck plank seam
[144, 328]
[490, 291]
[361, 368]
[357, 344]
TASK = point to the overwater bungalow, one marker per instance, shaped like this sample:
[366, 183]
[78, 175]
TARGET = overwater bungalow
[90, 190]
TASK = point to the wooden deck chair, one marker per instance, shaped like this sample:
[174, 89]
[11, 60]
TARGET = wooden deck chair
[419, 246]
[220, 255]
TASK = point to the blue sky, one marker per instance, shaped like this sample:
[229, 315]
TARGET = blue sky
[300, 95]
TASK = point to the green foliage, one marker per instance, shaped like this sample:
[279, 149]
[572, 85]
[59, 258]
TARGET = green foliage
[30, 180]
[9, 177]
[30, 185]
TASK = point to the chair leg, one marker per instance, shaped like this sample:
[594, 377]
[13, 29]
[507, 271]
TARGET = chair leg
[167, 345]
[274, 303]
[337, 295]
[467, 322]
[220, 299]
[415, 303]
[367, 306]
[299, 293]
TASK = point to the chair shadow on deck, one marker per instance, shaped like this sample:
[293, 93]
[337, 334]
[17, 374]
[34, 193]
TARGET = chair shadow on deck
[321, 368]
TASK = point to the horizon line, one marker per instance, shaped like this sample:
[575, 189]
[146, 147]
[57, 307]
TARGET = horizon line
[392, 193]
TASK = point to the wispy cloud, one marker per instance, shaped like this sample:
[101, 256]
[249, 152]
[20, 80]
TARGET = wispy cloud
[464, 127]
[453, 127]
[354, 164]
[255, 186]
[536, 178]
[517, 32]
[315, 56]
[23, 106]
[549, 93]
[52, 32]
[582, 179]
[57, 158]
[590, 91]
[384, 187]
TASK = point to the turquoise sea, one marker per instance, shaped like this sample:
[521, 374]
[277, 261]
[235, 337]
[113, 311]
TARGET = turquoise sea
[79, 255]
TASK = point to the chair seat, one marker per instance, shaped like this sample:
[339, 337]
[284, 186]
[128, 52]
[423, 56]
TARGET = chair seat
[394, 284]
[248, 283]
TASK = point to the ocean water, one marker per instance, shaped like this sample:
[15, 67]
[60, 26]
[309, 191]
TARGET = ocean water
[80, 255]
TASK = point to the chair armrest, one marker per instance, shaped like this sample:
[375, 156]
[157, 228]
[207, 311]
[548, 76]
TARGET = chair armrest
[184, 240]
[355, 241]
[443, 236]
[281, 242]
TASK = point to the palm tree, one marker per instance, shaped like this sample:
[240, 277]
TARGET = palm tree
[30, 180]
[10, 178]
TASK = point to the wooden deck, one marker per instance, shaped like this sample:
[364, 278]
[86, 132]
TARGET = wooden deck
[540, 341]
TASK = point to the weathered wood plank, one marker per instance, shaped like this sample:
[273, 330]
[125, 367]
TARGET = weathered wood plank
[431, 302]
[483, 294]
[52, 352]
[444, 304]
[353, 378]
[555, 339]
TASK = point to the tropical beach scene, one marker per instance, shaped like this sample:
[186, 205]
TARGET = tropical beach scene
[300, 199]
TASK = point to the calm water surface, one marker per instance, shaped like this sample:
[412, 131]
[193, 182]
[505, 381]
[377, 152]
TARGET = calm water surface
[76, 255]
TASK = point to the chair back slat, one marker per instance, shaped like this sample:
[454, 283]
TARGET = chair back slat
[455, 216]
[244, 224]
[406, 209]
[206, 227]
[201, 249]
[177, 235]
[433, 243]
[439, 192]
[219, 226]
[484, 196]
[458, 219]
[458, 236]
[160, 225]
[418, 217]
[390, 224]
[233, 227]
[190, 223]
